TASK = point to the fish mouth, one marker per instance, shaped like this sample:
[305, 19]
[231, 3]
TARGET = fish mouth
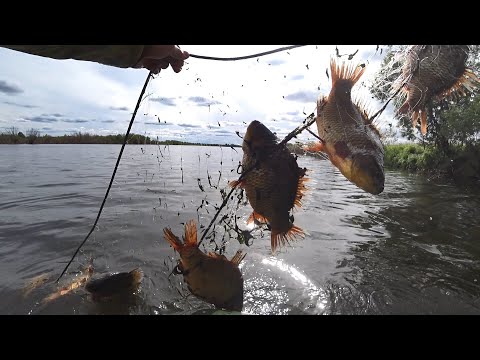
[367, 174]
[258, 134]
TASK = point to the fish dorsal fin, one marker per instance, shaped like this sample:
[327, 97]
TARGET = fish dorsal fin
[343, 71]
[301, 189]
[217, 256]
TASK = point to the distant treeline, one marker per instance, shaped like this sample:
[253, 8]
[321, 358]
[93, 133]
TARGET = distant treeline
[33, 136]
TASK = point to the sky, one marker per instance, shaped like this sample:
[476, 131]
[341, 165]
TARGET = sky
[207, 102]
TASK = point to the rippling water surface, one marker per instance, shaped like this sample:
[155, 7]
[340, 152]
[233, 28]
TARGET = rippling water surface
[414, 249]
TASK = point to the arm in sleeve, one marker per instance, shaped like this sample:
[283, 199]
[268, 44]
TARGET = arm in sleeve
[122, 56]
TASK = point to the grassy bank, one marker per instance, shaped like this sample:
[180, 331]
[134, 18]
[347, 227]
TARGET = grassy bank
[463, 162]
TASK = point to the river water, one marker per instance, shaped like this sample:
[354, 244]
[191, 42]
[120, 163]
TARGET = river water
[414, 249]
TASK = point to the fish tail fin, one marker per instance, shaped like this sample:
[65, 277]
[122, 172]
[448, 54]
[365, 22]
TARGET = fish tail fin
[238, 257]
[190, 233]
[343, 71]
[137, 275]
[279, 238]
[172, 239]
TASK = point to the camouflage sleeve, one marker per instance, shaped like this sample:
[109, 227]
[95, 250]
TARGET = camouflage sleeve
[122, 56]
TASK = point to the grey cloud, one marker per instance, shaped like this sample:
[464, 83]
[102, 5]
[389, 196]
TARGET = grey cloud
[75, 121]
[303, 96]
[108, 121]
[28, 106]
[164, 101]
[158, 123]
[9, 89]
[119, 108]
[201, 101]
[42, 119]
[189, 126]
[293, 113]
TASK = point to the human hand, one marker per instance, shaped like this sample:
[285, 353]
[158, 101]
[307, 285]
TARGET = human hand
[158, 57]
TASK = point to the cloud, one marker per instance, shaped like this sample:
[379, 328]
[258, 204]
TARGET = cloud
[189, 126]
[75, 121]
[108, 121]
[119, 108]
[46, 129]
[297, 77]
[276, 62]
[158, 123]
[42, 119]
[293, 113]
[9, 89]
[164, 101]
[303, 96]
[201, 101]
[224, 132]
[28, 106]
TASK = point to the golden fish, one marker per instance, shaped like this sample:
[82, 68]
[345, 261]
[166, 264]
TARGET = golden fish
[212, 278]
[352, 143]
[78, 282]
[433, 72]
[273, 183]
[35, 283]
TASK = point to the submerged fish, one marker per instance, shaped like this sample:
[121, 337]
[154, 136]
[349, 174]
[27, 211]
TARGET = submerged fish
[212, 278]
[349, 138]
[273, 182]
[113, 284]
[76, 283]
[433, 72]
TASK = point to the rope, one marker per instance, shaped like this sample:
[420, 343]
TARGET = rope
[113, 175]
[150, 75]
[285, 48]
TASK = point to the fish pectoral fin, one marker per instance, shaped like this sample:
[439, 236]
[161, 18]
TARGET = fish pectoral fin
[254, 216]
[172, 239]
[317, 147]
[423, 121]
[405, 108]
[238, 257]
[235, 183]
